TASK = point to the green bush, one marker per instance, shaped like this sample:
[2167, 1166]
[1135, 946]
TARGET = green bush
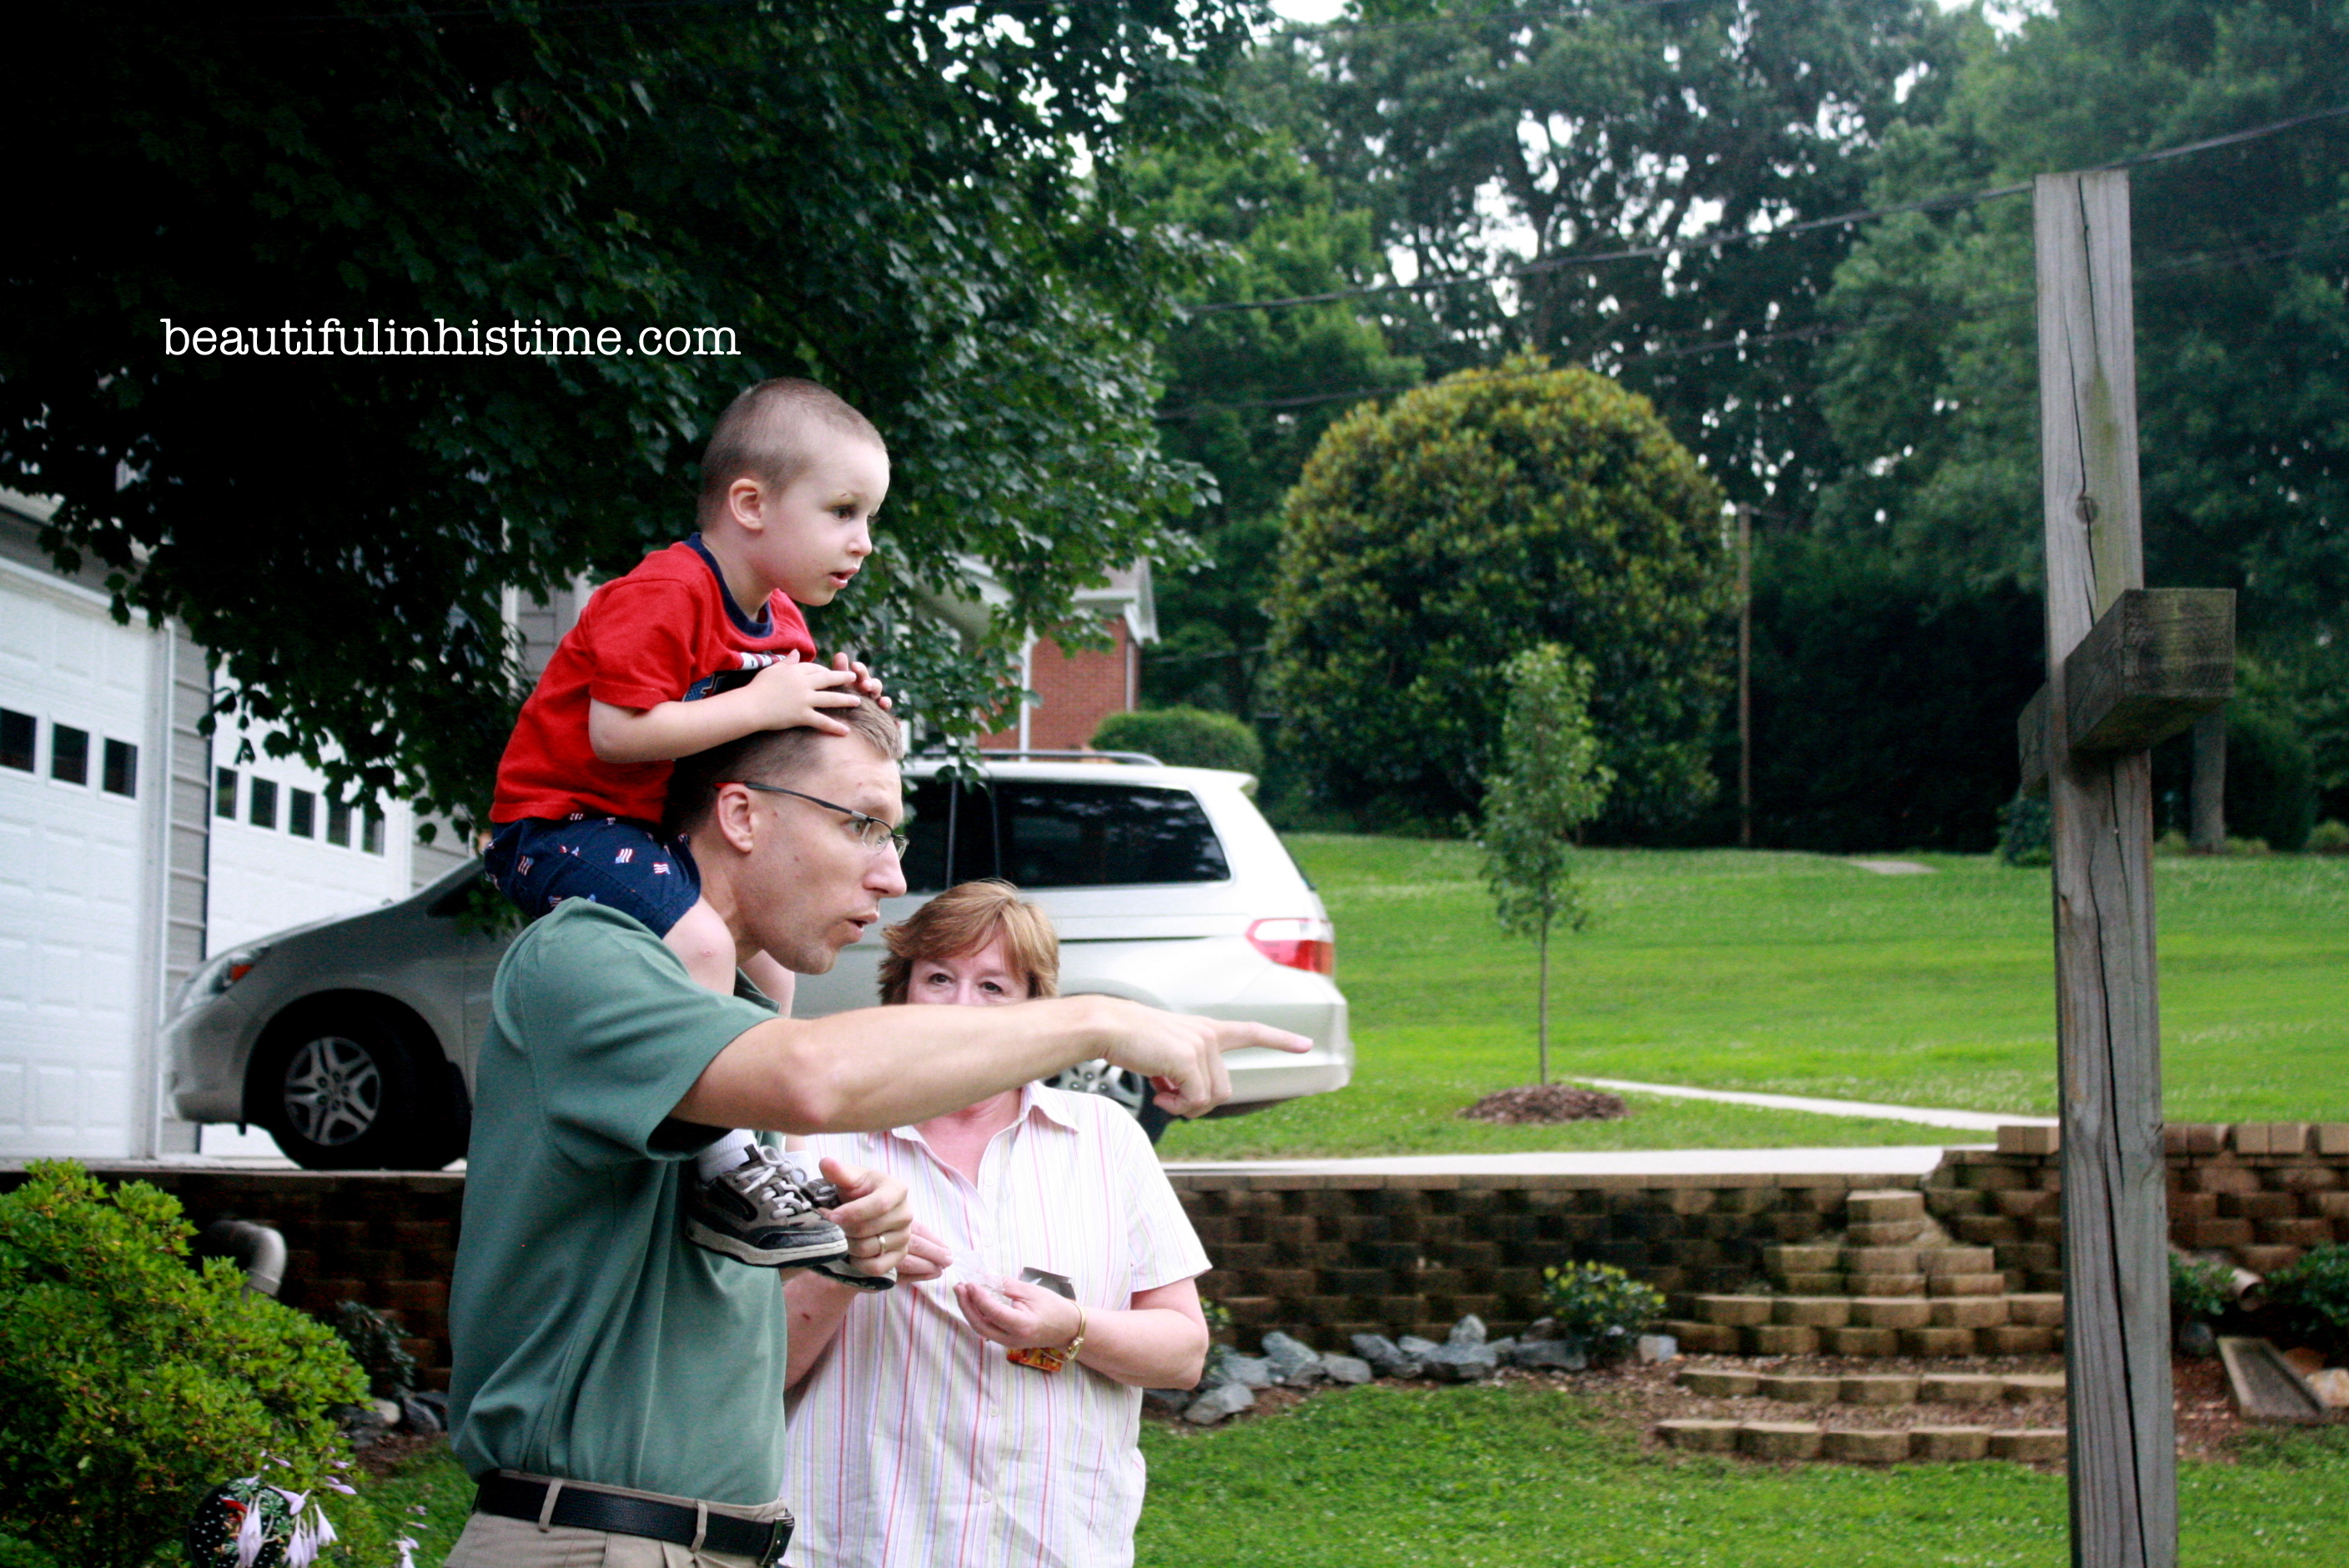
[131, 1385]
[2026, 831]
[2198, 1288]
[2329, 837]
[1600, 1307]
[1184, 737]
[2271, 778]
[1431, 539]
[374, 1339]
[2315, 1295]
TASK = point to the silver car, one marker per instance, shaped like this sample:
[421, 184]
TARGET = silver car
[352, 1039]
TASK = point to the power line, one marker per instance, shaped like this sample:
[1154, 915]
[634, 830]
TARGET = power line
[1744, 338]
[1715, 242]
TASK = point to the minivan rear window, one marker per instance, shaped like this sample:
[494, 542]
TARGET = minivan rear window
[1052, 833]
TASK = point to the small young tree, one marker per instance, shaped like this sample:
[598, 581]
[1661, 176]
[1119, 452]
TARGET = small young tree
[1551, 782]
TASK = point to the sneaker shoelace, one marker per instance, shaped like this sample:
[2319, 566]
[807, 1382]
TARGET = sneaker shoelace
[772, 1183]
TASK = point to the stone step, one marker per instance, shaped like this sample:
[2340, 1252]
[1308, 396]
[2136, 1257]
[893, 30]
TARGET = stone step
[1930, 1338]
[1874, 1388]
[1865, 1445]
[1967, 1307]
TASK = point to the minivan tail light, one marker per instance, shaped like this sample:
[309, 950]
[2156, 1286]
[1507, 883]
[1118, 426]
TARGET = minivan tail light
[1299, 943]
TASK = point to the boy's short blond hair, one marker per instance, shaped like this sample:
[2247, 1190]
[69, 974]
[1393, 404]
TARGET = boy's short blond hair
[771, 434]
[964, 919]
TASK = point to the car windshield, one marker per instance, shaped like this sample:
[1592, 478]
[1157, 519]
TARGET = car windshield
[1055, 833]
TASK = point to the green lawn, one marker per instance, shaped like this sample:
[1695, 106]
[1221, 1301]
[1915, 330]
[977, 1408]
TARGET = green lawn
[1792, 973]
[1539, 1478]
[1517, 1477]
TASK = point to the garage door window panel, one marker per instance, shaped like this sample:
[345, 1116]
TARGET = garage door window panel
[121, 772]
[68, 754]
[19, 737]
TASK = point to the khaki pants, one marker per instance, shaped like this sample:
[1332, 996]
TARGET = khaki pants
[492, 1541]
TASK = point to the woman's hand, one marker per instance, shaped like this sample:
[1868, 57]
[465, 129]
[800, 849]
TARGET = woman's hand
[1022, 1316]
[926, 1257]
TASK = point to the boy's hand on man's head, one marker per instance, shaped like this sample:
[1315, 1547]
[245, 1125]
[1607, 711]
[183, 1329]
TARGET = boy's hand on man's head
[794, 695]
[867, 683]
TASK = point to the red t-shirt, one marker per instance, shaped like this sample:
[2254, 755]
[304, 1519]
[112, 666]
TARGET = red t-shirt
[639, 643]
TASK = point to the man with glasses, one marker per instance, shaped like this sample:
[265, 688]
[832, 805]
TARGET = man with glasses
[616, 1386]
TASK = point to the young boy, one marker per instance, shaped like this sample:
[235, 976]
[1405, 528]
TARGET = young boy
[651, 672]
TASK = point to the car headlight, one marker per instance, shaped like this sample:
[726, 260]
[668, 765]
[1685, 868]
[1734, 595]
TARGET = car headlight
[217, 975]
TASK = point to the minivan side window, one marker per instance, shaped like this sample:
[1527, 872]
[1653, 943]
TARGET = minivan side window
[1051, 833]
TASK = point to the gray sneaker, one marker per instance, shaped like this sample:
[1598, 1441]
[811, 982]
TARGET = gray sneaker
[762, 1212]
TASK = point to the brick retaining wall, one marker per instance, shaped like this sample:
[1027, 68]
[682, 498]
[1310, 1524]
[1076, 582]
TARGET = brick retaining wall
[1323, 1256]
[385, 1239]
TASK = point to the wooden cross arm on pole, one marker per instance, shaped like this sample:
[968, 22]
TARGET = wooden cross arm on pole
[2156, 661]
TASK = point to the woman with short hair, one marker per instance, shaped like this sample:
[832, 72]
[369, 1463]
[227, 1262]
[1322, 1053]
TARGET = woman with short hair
[985, 1418]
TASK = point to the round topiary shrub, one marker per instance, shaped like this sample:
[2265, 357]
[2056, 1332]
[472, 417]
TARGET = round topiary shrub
[1184, 737]
[1431, 539]
[131, 1385]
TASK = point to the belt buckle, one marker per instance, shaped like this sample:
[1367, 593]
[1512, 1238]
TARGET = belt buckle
[778, 1539]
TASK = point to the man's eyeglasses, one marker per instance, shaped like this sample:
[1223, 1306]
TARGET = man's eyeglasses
[870, 830]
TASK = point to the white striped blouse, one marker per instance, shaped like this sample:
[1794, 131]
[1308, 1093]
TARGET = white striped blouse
[913, 1441]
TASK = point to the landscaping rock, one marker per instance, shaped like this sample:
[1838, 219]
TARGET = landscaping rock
[1224, 1400]
[1554, 1354]
[1416, 1348]
[420, 1417]
[1655, 1347]
[1469, 1330]
[1246, 1371]
[1293, 1363]
[2332, 1386]
[1345, 1368]
[1168, 1401]
[1462, 1363]
[1386, 1357]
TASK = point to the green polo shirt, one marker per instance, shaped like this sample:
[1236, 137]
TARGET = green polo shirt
[592, 1340]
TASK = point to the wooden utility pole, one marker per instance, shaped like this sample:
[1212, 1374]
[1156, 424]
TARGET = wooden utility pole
[2207, 829]
[1744, 677]
[2126, 668]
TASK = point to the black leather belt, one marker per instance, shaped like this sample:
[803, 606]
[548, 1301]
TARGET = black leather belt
[582, 1506]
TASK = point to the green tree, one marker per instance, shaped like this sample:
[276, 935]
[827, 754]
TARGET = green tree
[885, 197]
[1431, 541]
[1248, 392]
[1549, 784]
[2241, 303]
[1489, 138]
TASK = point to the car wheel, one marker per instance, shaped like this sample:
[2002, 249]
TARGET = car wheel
[1130, 1090]
[350, 1088]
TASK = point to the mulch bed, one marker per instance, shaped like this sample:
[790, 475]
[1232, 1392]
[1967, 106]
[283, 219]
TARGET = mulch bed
[1546, 1103]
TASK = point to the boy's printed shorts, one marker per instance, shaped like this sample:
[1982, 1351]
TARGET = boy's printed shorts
[616, 862]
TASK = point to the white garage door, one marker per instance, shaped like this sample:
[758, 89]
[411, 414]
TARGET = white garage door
[77, 775]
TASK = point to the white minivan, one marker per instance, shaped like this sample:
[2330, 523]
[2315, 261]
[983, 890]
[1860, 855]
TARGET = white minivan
[352, 1039]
